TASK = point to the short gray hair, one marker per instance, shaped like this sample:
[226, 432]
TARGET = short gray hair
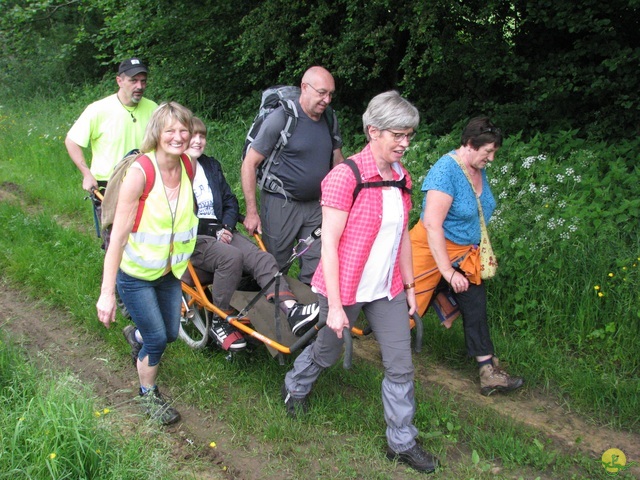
[389, 110]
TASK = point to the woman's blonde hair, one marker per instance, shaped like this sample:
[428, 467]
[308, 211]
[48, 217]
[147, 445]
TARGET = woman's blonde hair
[164, 115]
[198, 126]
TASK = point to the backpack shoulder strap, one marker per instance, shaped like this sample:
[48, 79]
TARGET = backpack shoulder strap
[289, 107]
[332, 121]
[150, 179]
[149, 173]
[356, 173]
[401, 184]
[334, 130]
[188, 166]
[267, 180]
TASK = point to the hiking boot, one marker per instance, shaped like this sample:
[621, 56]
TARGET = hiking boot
[303, 317]
[227, 337]
[157, 407]
[129, 333]
[494, 379]
[294, 406]
[416, 458]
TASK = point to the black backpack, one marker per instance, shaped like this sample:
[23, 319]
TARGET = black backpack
[272, 98]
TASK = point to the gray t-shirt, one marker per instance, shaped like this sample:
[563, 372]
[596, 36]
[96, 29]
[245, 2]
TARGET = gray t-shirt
[306, 159]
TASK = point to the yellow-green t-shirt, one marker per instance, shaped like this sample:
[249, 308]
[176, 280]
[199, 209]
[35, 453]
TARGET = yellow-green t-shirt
[108, 127]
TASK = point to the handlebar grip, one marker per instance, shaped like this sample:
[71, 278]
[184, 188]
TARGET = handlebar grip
[419, 328]
[348, 348]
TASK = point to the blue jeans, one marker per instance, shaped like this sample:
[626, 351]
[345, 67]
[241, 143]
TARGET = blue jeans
[154, 307]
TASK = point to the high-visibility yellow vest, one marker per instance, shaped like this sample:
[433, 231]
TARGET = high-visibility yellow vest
[159, 239]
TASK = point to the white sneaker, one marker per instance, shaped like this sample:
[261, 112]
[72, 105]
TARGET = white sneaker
[303, 317]
[227, 337]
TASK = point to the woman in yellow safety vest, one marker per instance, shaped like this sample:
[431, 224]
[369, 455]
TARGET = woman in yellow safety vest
[154, 233]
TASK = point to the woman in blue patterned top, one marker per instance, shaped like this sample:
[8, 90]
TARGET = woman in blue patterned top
[445, 243]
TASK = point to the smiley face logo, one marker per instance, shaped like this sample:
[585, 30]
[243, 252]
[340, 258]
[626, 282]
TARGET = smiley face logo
[614, 460]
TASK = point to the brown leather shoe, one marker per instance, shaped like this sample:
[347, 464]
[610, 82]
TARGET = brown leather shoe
[494, 379]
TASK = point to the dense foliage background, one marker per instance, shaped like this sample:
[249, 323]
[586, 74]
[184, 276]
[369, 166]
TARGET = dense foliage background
[533, 66]
[560, 78]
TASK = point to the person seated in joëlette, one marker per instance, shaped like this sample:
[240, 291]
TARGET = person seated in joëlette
[225, 254]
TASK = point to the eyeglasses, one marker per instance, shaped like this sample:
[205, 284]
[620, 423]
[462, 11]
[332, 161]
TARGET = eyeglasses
[322, 93]
[399, 136]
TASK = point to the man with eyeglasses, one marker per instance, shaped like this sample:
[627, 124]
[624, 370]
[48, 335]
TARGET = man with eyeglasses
[309, 154]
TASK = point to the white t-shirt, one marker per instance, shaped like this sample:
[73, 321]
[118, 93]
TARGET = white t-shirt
[378, 271]
[202, 192]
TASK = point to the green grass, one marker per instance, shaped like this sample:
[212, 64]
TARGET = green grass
[50, 428]
[548, 320]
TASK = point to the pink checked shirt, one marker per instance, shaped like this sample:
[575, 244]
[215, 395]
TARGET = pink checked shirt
[363, 224]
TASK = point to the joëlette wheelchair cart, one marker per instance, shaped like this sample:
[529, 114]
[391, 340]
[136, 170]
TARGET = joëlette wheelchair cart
[257, 318]
[265, 322]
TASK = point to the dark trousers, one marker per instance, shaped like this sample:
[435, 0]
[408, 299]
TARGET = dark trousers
[473, 307]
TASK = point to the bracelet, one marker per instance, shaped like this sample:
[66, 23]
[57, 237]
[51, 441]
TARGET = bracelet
[451, 279]
[407, 286]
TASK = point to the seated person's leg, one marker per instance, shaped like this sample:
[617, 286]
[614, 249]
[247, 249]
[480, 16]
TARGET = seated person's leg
[262, 266]
[224, 262]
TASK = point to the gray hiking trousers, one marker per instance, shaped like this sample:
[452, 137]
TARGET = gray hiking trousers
[389, 321]
[284, 222]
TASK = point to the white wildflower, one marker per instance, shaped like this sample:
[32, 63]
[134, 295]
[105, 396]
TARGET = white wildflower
[527, 162]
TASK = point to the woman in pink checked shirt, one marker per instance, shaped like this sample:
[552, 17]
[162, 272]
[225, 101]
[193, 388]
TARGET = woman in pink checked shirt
[366, 266]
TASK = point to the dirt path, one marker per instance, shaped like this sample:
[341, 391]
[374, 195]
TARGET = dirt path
[48, 336]
[46, 332]
[568, 431]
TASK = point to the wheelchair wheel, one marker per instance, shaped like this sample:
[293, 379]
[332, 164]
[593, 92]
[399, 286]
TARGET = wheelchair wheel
[194, 324]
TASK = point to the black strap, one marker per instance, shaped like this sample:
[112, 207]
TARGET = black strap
[401, 184]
